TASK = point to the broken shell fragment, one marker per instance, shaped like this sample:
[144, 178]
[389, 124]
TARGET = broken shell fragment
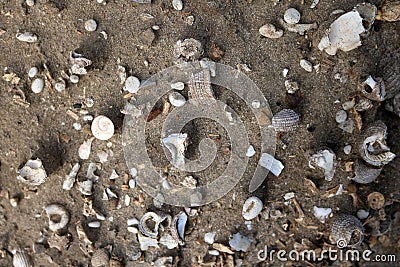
[178, 227]
[365, 174]
[270, 31]
[178, 86]
[324, 159]
[33, 173]
[269, 162]
[252, 208]
[373, 89]
[240, 243]
[86, 187]
[176, 99]
[347, 231]
[341, 116]
[79, 63]
[306, 65]
[102, 128]
[189, 48]
[144, 227]
[292, 16]
[298, 28]
[58, 217]
[177, 4]
[176, 144]
[70, 178]
[27, 37]
[389, 11]
[373, 148]
[285, 120]
[376, 200]
[21, 258]
[146, 242]
[322, 213]
[100, 258]
[85, 148]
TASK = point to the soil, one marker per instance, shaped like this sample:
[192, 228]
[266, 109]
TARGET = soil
[228, 31]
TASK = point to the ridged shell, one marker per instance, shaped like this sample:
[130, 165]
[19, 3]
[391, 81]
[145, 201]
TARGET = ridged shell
[347, 231]
[365, 174]
[21, 259]
[373, 136]
[178, 228]
[363, 104]
[389, 11]
[100, 258]
[285, 120]
[389, 70]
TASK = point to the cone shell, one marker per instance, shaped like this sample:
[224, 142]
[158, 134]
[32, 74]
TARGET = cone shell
[285, 120]
[365, 174]
[349, 229]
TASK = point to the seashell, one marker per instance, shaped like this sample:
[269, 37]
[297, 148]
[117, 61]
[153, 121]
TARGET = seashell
[177, 4]
[27, 37]
[306, 65]
[143, 224]
[324, 159]
[86, 187]
[146, 242]
[389, 70]
[299, 28]
[95, 224]
[373, 89]
[347, 126]
[376, 200]
[389, 11]
[269, 162]
[176, 144]
[176, 99]
[33, 173]
[79, 63]
[240, 243]
[37, 85]
[341, 116]
[168, 241]
[270, 31]
[347, 231]
[365, 174]
[209, 237]
[322, 213]
[60, 85]
[74, 78]
[33, 72]
[90, 25]
[393, 105]
[102, 128]
[21, 258]
[178, 227]
[132, 84]
[85, 148]
[59, 242]
[58, 217]
[285, 120]
[100, 258]
[190, 49]
[363, 104]
[90, 172]
[373, 148]
[30, 3]
[178, 86]
[251, 208]
[250, 151]
[291, 16]
[70, 178]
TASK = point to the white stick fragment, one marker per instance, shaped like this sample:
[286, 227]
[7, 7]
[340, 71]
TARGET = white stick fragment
[269, 162]
[70, 178]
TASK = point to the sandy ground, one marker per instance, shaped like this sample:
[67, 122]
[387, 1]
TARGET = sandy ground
[44, 130]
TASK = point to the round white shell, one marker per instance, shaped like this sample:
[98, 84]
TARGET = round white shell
[132, 84]
[90, 25]
[74, 78]
[341, 116]
[251, 208]
[37, 85]
[177, 4]
[56, 209]
[176, 99]
[291, 16]
[32, 72]
[102, 128]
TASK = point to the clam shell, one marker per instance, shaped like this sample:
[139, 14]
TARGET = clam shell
[33, 173]
[252, 208]
[21, 259]
[389, 11]
[100, 258]
[365, 174]
[285, 120]
[347, 231]
[59, 211]
[373, 149]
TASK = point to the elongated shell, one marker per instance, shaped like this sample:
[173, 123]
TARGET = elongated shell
[100, 258]
[21, 259]
[178, 227]
[347, 231]
[285, 120]
[373, 149]
[365, 174]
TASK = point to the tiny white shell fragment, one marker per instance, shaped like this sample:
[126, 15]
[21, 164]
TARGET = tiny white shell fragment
[248, 225]
[70, 178]
[314, 3]
[322, 213]
[103, 156]
[181, 224]
[32, 72]
[209, 237]
[168, 241]
[85, 187]
[256, 103]
[127, 200]
[26, 37]
[291, 86]
[88, 118]
[177, 4]
[74, 78]
[326, 160]
[90, 25]
[362, 214]
[270, 31]
[306, 65]
[30, 3]
[250, 151]
[37, 85]
[132, 230]
[95, 224]
[176, 144]
[341, 116]
[146, 242]
[77, 126]
[60, 86]
[176, 99]
[292, 16]
[285, 72]
[240, 243]
[14, 201]
[132, 221]
[347, 126]
[252, 208]
[178, 86]
[132, 183]
[100, 217]
[269, 162]
[85, 148]
[347, 149]
[155, 27]
[132, 84]
[90, 172]
[114, 175]
[102, 128]
[189, 20]
[33, 173]
[289, 195]
[57, 210]
[133, 172]
[213, 252]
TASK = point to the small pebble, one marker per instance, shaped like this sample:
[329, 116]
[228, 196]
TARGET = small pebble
[37, 85]
[74, 78]
[90, 25]
[59, 86]
[213, 252]
[178, 86]
[176, 99]
[341, 116]
[133, 172]
[30, 3]
[291, 16]
[362, 214]
[132, 183]
[77, 126]
[306, 65]
[155, 27]
[250, 151]
[177, 4]
[32, 72]
[95, 224]
[132, 84]
[347, 149]
[209, 237]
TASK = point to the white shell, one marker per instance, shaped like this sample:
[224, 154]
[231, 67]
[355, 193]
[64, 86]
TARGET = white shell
[33, 173]
[70, 178]
[132, 84]
[132, 221]
[176, 144]
[269, 162]
[306, 65]
[37, 85]
[347, 149]
[85, 148]
[177, 4]
[132, 183]
[74, 78]
[60, 85]
[178, 86]
[95, 224]
[326, 160]
[114, 175]
[252, 208]
[146, 242]
[30, 3]
[270, 31]
[209, 237]
[341, 116]
[240, 243]
[322, 213]
[102, 128]
[168, 241]
[56, 209]
[90, 25]
[181, 224]
[32, 72]
[21, 259]
[292, 16]
[176, 99]
[86, 187]
[26, 37]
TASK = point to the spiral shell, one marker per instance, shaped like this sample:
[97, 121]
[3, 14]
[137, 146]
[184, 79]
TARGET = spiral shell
[365, 174]
[285, 120]
[102, 128]
[100, 258]
[33, 173]
[156, 219]
[373, 149]
[21, 259]
[347, 231]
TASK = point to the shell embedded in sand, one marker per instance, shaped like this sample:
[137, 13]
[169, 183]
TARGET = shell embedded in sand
[33, 173]
[102, 128]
